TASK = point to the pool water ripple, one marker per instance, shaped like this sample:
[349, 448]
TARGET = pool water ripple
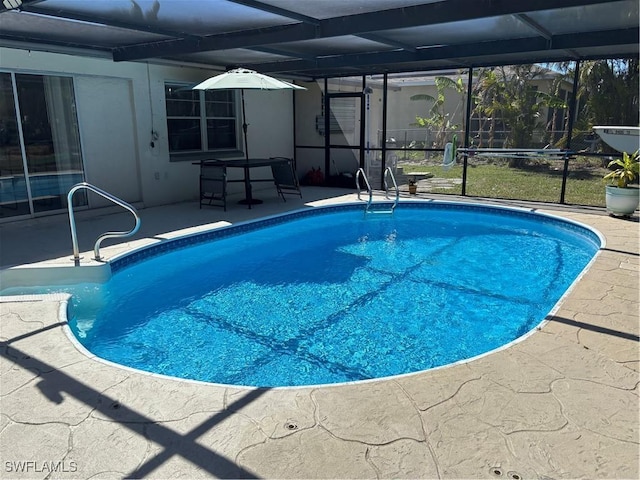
[334, 296]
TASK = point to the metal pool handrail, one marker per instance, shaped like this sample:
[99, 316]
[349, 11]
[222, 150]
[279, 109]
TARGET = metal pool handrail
[104, 236]
[389, 172]
[360, 173]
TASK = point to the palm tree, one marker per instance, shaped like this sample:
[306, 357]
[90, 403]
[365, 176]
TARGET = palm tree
[509, 94]
[559, 87]
[609, 92]
[486, 94]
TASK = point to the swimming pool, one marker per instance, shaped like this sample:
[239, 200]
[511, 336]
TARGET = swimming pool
[330, 295]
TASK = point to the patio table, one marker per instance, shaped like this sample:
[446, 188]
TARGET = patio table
[246, 164]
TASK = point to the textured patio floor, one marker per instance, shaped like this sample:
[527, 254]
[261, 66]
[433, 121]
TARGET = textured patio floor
[563, 403]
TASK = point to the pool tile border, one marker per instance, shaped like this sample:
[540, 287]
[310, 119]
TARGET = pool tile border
[151, 251]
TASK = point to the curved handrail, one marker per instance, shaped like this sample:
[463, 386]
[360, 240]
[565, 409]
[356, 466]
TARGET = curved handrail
[360, 173]
[104, 236]
[389, 172]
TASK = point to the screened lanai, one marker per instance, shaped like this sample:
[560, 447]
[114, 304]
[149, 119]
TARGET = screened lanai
[398, 78]
[327, 38]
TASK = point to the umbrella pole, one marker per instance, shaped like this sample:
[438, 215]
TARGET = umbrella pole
[244, 126]
[247, 180]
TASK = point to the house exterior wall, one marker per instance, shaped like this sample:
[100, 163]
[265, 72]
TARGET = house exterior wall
[108, 163]
[308, 110]
[121, 112]
[402, 111]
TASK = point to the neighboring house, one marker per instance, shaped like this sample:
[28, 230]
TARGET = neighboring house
[402, 113]
[65, 119]
[402, 129]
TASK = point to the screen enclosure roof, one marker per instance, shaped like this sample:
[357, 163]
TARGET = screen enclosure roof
[310, 39]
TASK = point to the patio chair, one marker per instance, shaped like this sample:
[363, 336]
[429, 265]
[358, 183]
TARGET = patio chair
[213, 185]
[285, 178]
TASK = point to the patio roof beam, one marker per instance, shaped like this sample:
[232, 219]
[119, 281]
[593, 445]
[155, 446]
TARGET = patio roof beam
[386, 41]
[316, 22]
[478, 62]
[52, 46]
[242, 39]
[533, 25]
[278, 11]
[539, 29]
[448, 52]
[403, 17]
[283, 52]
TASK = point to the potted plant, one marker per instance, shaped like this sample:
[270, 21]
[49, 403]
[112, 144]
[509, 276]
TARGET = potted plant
[622, 198]
[413, 186]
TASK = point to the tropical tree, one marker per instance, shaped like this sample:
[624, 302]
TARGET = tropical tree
[521, 103]
[510, 95]
[438, 118]
[486, 94]
[608, 92]
[558, 125]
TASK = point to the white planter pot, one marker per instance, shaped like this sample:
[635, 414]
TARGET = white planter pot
[622, 201]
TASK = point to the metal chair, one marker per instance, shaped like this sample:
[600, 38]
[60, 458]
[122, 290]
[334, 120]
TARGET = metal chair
[213, 185]
[285, 178]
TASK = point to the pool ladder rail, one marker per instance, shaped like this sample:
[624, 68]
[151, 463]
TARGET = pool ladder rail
[104, 236]
[388, 173]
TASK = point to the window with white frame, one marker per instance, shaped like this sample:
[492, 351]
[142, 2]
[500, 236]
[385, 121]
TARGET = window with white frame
[200, 120]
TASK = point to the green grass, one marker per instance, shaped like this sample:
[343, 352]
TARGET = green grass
[541, 181]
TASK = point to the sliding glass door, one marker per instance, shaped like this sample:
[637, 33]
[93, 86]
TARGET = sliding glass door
[13, 185]
[40, 157]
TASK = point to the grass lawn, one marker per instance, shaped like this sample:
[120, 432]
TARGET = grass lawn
[536, 181]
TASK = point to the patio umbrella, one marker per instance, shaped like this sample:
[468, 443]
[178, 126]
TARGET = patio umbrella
[242, 79]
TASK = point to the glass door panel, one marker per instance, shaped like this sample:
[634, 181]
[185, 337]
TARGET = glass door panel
[13, 186]
[51, 139]
[346, 137]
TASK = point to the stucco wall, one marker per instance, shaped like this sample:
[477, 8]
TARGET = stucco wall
[108, 141]
[121, 104]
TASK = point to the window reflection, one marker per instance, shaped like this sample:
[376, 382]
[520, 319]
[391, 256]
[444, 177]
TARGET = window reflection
[13, 187]
[50, 150]
[200, 121]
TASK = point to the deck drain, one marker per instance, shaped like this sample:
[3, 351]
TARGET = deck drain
[290, 426]
[498, 472]
[115, 405]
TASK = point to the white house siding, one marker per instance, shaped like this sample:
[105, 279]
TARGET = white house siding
[108, 133]
[308, 107]
[402, 111]
[120, 104]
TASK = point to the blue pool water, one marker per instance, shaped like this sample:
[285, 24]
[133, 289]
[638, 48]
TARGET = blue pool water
[334, 297]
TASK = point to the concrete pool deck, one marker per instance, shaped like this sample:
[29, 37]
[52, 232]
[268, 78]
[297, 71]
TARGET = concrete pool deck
[562, 403]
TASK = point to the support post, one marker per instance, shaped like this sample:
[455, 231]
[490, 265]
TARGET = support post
[467, 130]
[572, 114]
